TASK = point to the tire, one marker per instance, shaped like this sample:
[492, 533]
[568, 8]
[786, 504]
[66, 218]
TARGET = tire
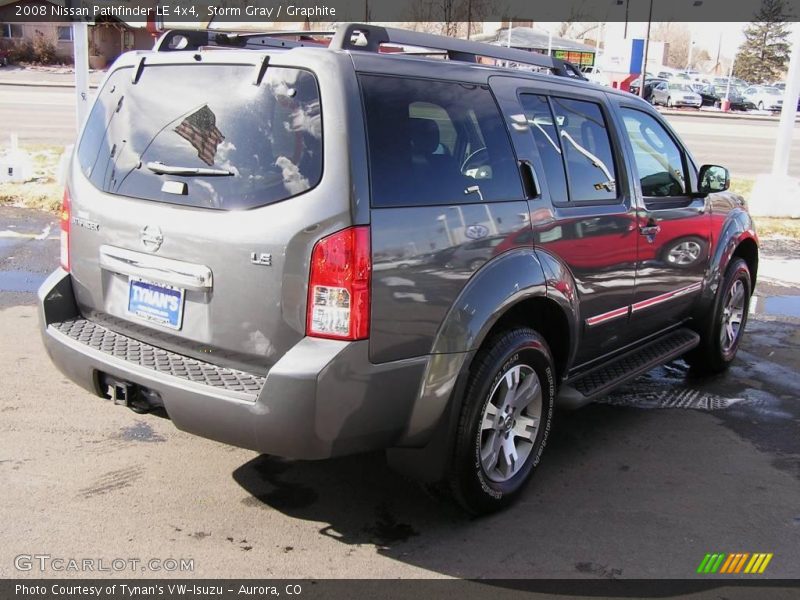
[484, 477]
[652, 99]
[717, 348]
[476, 264]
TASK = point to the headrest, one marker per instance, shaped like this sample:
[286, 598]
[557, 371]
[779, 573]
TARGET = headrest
[424, 135]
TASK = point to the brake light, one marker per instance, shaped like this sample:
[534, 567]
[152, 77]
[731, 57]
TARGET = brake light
[65, 219]
[339, 286]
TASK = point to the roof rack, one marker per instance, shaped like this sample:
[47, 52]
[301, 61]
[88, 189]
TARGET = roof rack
[194, 39]
[362, 37]
[369, 38]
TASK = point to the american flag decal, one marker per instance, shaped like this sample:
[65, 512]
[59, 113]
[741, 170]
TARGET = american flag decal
[200, 130]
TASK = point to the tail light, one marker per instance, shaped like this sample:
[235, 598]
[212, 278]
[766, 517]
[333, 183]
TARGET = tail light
[339, 286]
[65, 219]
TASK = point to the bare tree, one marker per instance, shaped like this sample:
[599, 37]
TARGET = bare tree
[678, 37]
[448, 17]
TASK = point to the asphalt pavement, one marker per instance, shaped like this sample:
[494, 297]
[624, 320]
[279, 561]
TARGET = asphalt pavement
[646, 483]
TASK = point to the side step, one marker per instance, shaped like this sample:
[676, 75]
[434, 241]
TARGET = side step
[595, 383]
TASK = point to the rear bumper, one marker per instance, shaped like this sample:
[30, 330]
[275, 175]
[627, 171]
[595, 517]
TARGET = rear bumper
[323, 398]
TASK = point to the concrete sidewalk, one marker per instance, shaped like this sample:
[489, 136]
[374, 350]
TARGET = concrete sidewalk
[61, 76]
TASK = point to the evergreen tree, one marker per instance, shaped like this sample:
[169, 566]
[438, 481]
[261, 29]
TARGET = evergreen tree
[764, 54]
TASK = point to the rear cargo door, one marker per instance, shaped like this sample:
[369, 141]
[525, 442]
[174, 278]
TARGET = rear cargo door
[189, 184]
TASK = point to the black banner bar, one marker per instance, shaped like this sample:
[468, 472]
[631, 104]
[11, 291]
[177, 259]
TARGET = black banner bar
[203, 12]
[388, 589]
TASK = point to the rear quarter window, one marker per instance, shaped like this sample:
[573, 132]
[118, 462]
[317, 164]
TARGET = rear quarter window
[205, 136]
[435, 142]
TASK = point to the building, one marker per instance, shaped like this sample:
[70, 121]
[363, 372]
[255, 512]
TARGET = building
[537, 40]
[108, 36]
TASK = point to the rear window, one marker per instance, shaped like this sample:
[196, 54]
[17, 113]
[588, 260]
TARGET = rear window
[433, 142]
[205, 136]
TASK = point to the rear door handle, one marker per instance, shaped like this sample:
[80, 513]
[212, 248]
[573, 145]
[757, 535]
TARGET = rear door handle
[529, 179]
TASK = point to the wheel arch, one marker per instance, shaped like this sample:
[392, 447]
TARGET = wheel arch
[513, 289]
[736, 237]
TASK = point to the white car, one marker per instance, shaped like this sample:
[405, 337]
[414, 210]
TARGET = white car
[674, 94]
[764, 97]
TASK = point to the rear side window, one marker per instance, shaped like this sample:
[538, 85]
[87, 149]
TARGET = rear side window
[542, 125]
[205, 136]
[436, 142]
[586, 150]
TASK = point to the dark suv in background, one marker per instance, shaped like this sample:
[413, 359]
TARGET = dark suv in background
[315, 247]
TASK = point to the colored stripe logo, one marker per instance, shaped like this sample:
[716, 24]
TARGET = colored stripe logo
[738, 562]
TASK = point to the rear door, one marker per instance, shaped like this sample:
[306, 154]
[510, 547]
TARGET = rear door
[446, 198]
[584, 215]
[673, 227]
[192, 193]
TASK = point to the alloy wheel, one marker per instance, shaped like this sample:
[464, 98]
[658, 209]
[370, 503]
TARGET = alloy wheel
[732, 316]
[684, 253]
[510, 422]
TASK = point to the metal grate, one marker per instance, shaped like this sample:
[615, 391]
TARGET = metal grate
[652, 353]
[128, 349]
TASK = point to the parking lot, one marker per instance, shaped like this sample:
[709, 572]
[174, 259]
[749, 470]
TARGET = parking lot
[641, 486]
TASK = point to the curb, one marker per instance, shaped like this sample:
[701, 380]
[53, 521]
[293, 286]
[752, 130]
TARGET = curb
[720, 115]
[57, 84]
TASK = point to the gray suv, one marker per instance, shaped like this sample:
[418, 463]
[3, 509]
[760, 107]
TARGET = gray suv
[315, 246]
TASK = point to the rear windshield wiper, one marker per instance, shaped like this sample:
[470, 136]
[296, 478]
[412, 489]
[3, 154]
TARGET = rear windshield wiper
[162, 169]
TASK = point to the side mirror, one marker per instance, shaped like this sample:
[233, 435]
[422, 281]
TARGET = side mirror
[712, 178]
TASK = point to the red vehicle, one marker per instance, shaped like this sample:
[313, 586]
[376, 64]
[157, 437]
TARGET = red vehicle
[604, 242]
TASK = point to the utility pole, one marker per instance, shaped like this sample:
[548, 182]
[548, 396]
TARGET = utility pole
[646, 48]
[627, 4]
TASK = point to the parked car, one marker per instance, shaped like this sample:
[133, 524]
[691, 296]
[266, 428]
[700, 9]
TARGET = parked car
[251, 238]
[764, 97]
[675, 94]
[713, 96]
[648, 86]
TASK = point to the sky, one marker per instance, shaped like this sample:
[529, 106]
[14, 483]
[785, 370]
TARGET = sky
[729, 36]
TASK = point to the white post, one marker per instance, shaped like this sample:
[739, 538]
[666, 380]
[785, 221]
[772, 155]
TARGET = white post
[691, 47]
[550, 42]
[508, 42]
[783, 141]
[80, 45]
[730, 76]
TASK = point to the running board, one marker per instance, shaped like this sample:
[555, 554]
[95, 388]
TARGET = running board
[589, 386]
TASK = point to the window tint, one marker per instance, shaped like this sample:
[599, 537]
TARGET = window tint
[542, 125]
[586, 149]
[436, 143]
[204, 135]
[658, 158]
